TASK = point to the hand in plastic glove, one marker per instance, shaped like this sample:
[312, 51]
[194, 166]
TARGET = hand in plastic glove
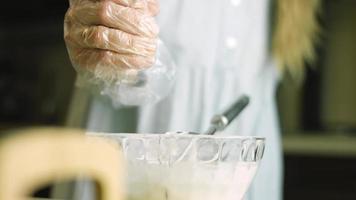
[105, 37]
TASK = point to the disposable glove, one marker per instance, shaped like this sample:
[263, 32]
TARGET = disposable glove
[108, 39]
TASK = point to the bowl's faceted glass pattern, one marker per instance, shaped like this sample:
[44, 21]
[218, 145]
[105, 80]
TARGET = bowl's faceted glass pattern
[188, 167]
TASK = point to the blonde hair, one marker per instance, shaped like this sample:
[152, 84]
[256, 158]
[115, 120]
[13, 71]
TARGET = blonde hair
[295, 33]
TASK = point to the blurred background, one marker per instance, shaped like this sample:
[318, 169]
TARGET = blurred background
[318, 118]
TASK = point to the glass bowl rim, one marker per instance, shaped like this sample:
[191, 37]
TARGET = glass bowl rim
[148, 135]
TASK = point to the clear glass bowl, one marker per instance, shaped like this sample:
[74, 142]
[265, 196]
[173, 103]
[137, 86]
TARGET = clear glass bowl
[188, 167]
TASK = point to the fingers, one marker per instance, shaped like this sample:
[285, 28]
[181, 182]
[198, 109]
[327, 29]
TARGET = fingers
[150, 6]
[111, 14]
[107, 36]
[138, 4]
[94, 59]
[153, 7]
[100, 37]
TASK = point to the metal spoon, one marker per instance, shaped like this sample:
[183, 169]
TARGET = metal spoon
[221, 121]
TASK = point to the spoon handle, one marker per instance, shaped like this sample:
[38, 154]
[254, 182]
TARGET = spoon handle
[220, 122]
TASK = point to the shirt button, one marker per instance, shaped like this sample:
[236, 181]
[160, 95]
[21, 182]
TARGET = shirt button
[231, 42]
[235, 2]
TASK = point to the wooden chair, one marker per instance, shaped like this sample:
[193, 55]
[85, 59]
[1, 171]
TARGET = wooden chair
[31, 159]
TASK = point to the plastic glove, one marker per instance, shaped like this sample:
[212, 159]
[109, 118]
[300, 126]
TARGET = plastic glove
[107, 38]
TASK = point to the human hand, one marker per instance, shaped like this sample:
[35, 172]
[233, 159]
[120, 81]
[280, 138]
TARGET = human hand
[106, 36]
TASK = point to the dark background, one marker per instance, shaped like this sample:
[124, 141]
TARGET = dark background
[318, 118]
[35, 75]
